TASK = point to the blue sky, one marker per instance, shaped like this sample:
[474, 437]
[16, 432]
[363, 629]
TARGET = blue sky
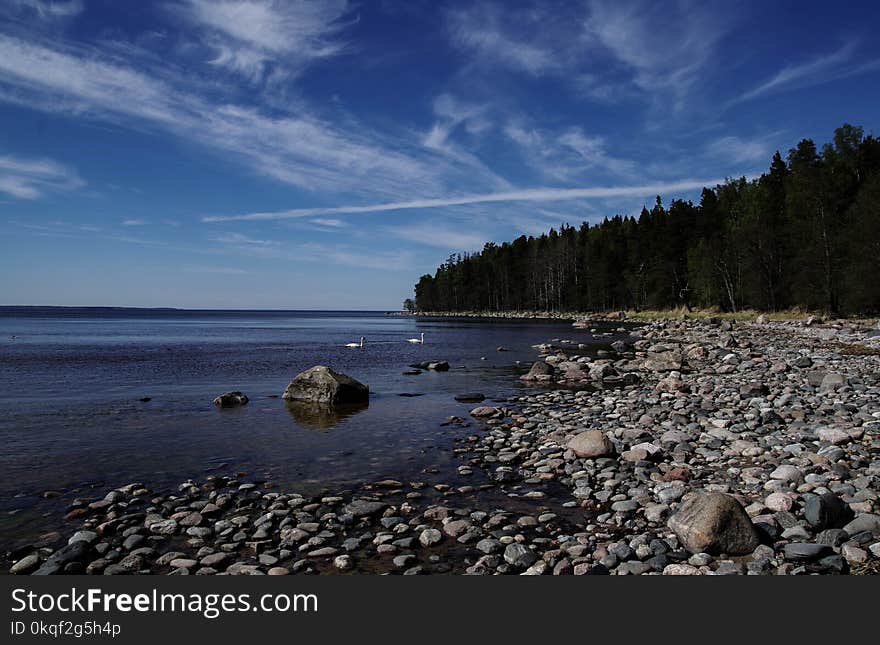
[237, 154]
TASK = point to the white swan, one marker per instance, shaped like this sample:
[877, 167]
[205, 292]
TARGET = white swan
[417, 341]
[356, 345]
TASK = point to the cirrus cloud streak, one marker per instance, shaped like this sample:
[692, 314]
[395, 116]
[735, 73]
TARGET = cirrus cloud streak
[524, 195]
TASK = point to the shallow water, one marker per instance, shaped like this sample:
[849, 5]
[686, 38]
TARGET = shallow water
[71, 420]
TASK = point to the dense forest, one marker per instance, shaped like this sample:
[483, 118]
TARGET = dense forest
[805, 234]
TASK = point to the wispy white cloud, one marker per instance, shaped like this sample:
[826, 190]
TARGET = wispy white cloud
[214, 270]
[591, 149]
[440, 236]
[526, 136]
[604, 50]
[299, 149]
[816, 71]
[341, 254]
[134, 239]
[600, 88]
[666, 48]
[290, 251]
[31, 178]
[328, 222]
[134, 222]
[48, 9]
[453, 115]
[57, 226]
[249, 35]
[244, 240]
[539, 149]
[565, 155]
[740, 150]
[498, 35]
[525, 195]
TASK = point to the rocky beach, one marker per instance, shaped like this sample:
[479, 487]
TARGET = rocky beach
[694, 447]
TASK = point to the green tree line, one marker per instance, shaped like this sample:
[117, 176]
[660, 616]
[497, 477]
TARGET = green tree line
[804, 234]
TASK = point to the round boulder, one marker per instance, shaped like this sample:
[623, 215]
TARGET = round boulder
[590, 444]
[320, 384]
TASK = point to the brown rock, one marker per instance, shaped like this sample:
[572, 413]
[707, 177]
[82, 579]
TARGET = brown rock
[75, 513]
[590, 444]
[677, 474]
[539, 371]
[714, 523]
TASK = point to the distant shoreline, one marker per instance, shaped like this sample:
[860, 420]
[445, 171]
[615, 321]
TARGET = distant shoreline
[517, 315]
[632, 316]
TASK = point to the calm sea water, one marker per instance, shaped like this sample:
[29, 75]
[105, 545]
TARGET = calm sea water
[71, 420]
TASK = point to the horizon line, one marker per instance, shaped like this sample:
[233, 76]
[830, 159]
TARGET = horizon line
[165, 308]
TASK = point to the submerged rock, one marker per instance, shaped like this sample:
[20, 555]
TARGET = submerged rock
[320, 384]
[365, 507]
[470, 397]
[484, 411]
[437, 366]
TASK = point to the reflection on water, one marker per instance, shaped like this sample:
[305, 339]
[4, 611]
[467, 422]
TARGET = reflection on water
[322, 417]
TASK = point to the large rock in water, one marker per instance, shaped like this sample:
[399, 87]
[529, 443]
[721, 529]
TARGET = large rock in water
[320, 384]
[540, 371]
[714, 523]
[231, 400]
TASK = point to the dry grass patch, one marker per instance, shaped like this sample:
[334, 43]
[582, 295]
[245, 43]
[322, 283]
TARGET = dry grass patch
[705, 314]
[853, 349]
